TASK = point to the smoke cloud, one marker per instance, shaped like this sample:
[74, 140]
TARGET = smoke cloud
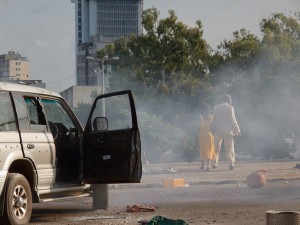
[266, 110]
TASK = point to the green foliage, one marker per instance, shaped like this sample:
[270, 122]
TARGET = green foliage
[239, 55]
[82, 112]
[170, 55]
[189, 148]
[243, 48]
[281, 39]
[159, 137]
[270, 87]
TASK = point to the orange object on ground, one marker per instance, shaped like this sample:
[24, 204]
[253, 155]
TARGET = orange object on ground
[174, 183]
[256, 180]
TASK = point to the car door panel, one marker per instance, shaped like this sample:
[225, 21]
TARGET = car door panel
[113, 155]
[39, 147]
[107, 153]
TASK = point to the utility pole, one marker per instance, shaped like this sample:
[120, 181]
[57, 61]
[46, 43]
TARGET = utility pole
[101, 62]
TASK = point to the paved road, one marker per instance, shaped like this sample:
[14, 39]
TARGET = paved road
[215, 194]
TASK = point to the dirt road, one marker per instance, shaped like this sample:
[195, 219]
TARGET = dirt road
[207, 199]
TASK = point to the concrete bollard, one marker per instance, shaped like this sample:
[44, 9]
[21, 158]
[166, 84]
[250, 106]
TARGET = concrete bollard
[283, 217]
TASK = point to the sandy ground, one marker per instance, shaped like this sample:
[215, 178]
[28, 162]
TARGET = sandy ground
[217, 198]
[194, 213]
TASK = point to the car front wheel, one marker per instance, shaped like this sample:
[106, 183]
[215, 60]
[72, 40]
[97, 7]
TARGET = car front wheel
[18, 200]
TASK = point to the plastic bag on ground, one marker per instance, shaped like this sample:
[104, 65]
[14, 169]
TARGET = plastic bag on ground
[159, 220]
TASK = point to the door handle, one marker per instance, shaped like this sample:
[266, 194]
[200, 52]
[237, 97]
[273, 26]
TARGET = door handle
[101, 140]
[30, 146]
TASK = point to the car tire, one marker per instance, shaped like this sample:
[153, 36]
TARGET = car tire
[100, 196]
[18, 200]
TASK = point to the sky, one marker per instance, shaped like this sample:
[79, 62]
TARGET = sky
[44, 30]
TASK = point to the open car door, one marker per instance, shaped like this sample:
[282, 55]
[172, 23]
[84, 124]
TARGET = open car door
[111, 141]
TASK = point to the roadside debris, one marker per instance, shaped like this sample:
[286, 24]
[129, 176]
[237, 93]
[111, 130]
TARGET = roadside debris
[173, 183]
[169, 170]
[146, 170]
[159, 220]
[98, 218]
[139, 208]
[143, 222]
[297, 166]
[238, 184]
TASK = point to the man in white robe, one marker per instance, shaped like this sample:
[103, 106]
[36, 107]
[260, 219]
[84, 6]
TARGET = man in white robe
[225, 127]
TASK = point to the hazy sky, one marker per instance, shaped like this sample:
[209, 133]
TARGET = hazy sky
[44, 30]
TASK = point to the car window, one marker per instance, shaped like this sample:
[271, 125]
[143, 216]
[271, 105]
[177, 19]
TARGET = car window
[30, 113]
[7, 116]
[117, 111]
[35, 111]
[21, 112]
[56, 113]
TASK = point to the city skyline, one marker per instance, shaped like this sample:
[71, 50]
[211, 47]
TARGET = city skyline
[44, 30]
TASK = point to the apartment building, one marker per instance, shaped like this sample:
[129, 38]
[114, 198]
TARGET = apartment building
[14, 67]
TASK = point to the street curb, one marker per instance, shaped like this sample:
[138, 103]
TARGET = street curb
[194, 183]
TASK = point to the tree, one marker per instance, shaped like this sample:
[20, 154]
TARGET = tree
[159, 137]
[170, 61]
[239, 55]
[271, 90]
[263, 78]
[281, 42]
[242, 49]
[280, 64]
[170, 58]
[83, 110]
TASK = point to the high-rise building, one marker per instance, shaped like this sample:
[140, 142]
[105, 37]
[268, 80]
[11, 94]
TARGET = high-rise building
[98, 23]
[13, 67]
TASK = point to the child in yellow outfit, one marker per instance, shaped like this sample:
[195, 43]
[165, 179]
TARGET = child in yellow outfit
[206, 140]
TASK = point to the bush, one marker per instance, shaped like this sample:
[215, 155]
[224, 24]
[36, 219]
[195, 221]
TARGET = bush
[159, 137]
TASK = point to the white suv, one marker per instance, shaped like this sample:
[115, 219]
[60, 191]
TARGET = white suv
[45, 154]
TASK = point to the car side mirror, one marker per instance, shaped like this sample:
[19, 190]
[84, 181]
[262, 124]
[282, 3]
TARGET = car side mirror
[100, 124]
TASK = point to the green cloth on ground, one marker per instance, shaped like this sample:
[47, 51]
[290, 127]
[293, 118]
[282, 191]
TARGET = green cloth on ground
[159, 220]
